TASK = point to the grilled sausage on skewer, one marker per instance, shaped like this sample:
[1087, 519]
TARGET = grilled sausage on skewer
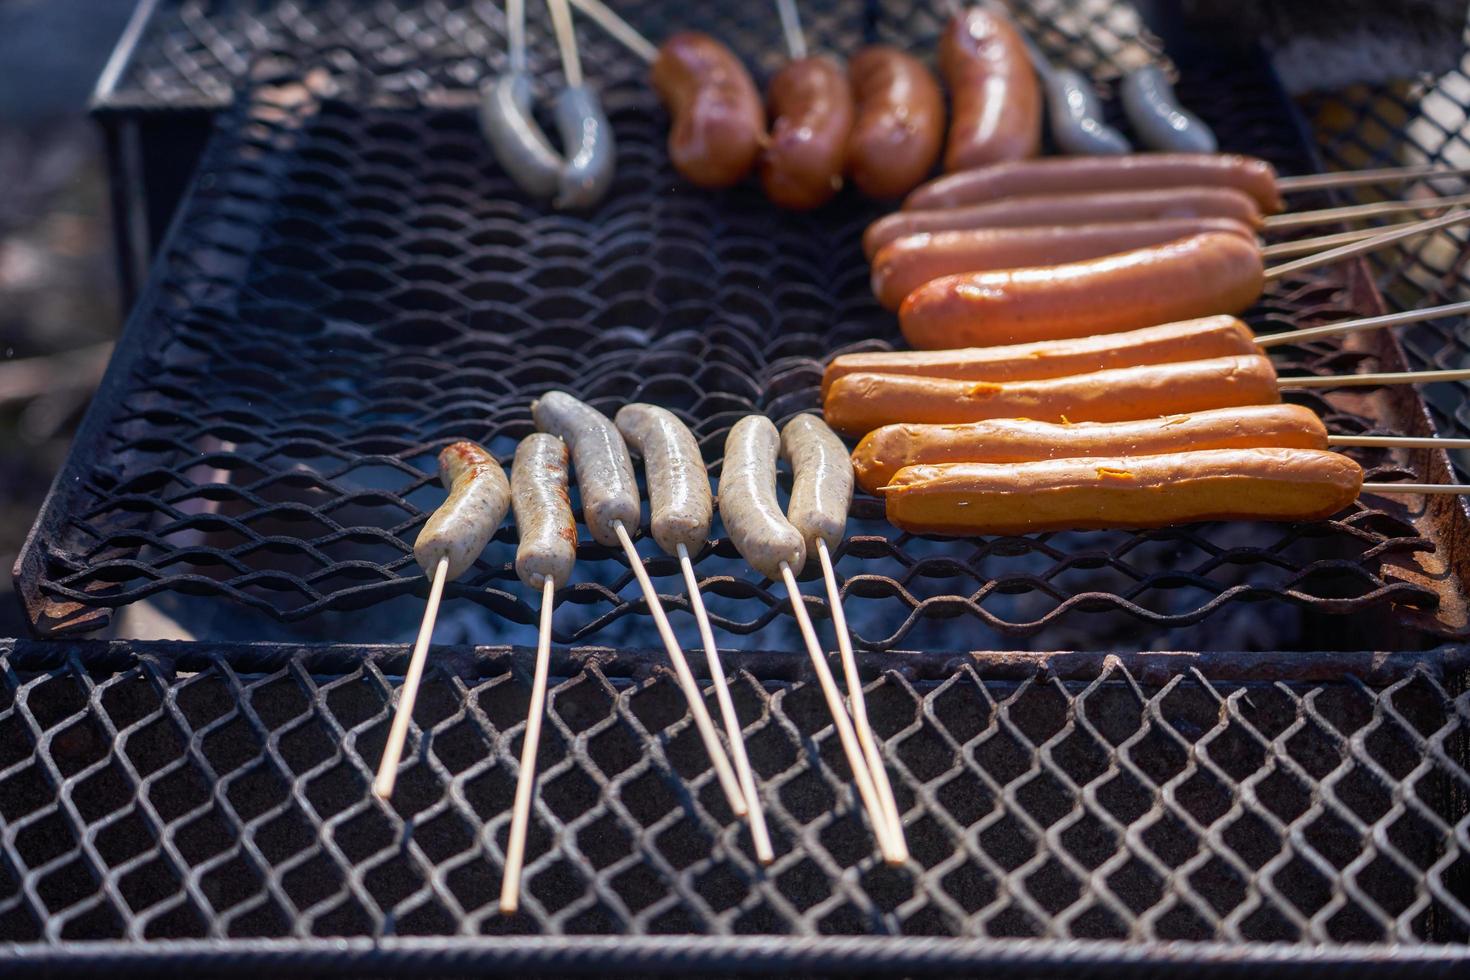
[748, 506]
[811, 105]
[679, 501]
[821, 485]
[604, 469]
[479, 496]
[1139, 171]
[1070, 209]
[993, 91]
[898, 123]
[1076, 116]
[538, 487]
[1196, 276]
[1158, 118]
[883, 452]
[718, 123]
[1123, 492]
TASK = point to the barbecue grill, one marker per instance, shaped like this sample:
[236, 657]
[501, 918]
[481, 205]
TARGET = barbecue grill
[349, 283]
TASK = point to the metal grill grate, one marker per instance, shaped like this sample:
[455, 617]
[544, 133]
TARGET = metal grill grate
[162, 791]
[353, 284]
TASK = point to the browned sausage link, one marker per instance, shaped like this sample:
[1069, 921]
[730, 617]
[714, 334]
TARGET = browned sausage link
[1065, 175]
[1068, 210]
[993, 91]
[898, 124]
[1197, 276]
[811, 104]
[906, 264]
[718, 123]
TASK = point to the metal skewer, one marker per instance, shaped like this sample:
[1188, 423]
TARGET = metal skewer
[692, 693]
[1369, 323]
[759, 833]
[1368, 245]
[515, 848]
[1357, 178]
[893, 852]
[408, 693]
[1302, 219]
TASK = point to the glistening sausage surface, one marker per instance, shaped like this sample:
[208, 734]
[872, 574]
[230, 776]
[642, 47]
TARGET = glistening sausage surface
[898, 123]
[1188, 340]
[680, 505]
[1123, 492]
[479, 496]
[821, 481]
[599, 455]
[1137, 171]
[1068, 210]
[904, 265]
[811, 105]
[859, 403]
[993, 91]
[718, 123]
[1196, 276]
[883, 452]
[748, 505]
[543, 509]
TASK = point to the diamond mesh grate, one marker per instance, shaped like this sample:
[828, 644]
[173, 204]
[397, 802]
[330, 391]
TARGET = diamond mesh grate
[164, 792]
[353, 284]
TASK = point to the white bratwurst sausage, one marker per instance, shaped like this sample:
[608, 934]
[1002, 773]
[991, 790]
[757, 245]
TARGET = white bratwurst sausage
[679, 500]
[538, 489]
[748, 503]
[600, 457]
[479, 496]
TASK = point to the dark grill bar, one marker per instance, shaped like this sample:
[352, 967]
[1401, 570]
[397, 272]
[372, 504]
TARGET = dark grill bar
[349, 283]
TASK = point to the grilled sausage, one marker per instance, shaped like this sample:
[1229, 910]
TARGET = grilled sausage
[591, 153]
[538, 488]
[1196, 276]
[520, 147]
[1123, 492]
[459, 529]
[811, 104]
[1068, 210]
[905, 264]
[993, 91]
[859, 403]
[604, 468]
[1188, 340]
[821, 481]
[679, 500]
[1138, 171]
[753, 518]
[1076, 116]
[718, 123]
[883, 452]
[898, 121]
[1158, 118]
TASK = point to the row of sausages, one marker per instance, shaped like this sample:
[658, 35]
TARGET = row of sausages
[881, 123]
[680, 501]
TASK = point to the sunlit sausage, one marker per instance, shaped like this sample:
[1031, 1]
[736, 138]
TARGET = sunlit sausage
[680, 505]
[898, 125]
[719, 125]
[479, 496]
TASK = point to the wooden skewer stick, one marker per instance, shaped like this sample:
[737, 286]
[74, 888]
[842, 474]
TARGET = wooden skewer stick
[759, 834]
[1400, 442]
[398, 734]
[566, 42]
[702, 721]
[1351, 212]
[621, 31]
[1368, 323]
[859, 706]
[1379, 378]
[1367, 245]
[1358, 178]
[892, 854]
[1306, 246]
[515, 848]
[1435, 488]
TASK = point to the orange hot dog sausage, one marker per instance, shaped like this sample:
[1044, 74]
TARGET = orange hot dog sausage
[811, 104]
[1188, 340]
[718, 123]
[883, 452]
[859, 403]
[993, 91]
[1123, 492]
[1068, 210]
[904, 265]
[1137, 171]
[1192, 277]
[899, 121]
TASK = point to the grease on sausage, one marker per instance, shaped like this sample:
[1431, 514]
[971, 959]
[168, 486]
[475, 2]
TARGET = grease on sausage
[747, 499]
[898, 124]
